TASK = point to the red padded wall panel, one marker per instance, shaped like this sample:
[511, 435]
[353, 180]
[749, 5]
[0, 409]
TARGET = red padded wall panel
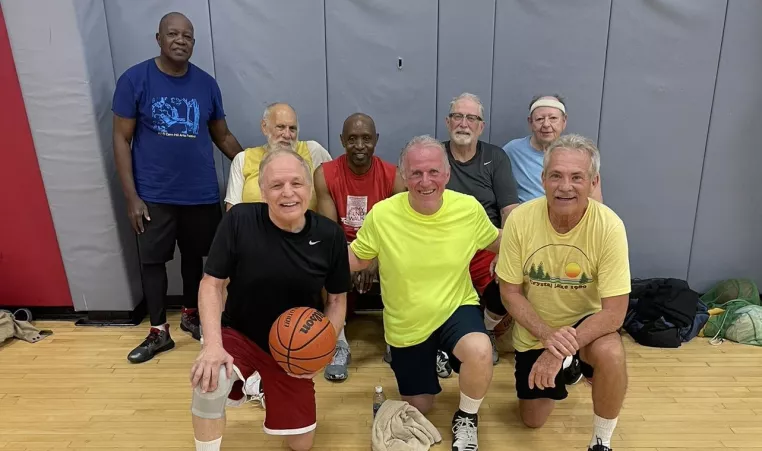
[31, 270]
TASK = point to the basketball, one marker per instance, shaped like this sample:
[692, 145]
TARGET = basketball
[302, 340]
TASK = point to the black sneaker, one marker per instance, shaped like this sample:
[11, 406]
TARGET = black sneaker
[191, 323]
[157, 341]
[464, 431]
[599, 447]
[573, 374]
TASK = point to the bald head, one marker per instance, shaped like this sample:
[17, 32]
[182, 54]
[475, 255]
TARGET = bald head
[174, 17]
[358, 119]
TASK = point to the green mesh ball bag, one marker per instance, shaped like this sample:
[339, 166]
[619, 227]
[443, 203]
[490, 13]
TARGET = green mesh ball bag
[729, 290]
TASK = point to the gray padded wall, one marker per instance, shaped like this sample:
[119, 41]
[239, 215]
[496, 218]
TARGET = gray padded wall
[268, 52]
[363, 42]
[132, 27]
[726, 242]
[466, 35]
[64, 67]
[548, 47]
[660, 74]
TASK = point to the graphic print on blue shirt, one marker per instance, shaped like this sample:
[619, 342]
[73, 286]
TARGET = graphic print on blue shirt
[166, 116]
[172, 149]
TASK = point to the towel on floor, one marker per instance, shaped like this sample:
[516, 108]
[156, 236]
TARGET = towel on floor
[24, 330]
[398, 426]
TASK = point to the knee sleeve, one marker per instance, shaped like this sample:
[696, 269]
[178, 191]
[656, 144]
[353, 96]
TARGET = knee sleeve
[493, 301]
[211, 405]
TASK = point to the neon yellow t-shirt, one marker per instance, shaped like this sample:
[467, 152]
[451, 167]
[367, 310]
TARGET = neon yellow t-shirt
[564, 276]
[423, 261]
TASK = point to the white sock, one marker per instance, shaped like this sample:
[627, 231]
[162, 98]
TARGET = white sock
[343, 337]
[490, 323]
[214, 445]
[603, 429]
[469, 405]
[164, 326]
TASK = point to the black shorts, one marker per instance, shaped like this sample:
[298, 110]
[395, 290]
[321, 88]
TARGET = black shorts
[192, 227]
[415, 367]
[524, 363]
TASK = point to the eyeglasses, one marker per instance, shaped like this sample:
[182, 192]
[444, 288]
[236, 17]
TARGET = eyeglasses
[471, 118]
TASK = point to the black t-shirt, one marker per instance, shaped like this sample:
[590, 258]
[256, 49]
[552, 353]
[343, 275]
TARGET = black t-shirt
[487, 176]
[272, 270]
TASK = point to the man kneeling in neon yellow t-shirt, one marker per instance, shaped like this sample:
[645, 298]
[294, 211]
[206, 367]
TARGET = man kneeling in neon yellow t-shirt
[424, 240]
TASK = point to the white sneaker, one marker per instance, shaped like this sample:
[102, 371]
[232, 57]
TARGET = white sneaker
[253, 389]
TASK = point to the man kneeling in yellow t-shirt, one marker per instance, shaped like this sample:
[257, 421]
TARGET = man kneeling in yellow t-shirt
[565, 278]
[424, 240]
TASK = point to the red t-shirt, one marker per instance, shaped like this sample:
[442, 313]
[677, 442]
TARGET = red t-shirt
[354, 195]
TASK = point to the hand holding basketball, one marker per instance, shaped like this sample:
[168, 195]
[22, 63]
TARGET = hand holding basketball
[302, 341]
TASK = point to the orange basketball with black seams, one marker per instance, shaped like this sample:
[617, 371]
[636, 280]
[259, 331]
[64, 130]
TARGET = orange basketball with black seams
[302, 340]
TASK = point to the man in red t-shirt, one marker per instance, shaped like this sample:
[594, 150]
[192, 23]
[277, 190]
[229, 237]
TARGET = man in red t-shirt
[347, 188]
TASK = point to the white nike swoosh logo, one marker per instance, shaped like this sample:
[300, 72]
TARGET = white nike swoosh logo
[490, 161]
[312, 243]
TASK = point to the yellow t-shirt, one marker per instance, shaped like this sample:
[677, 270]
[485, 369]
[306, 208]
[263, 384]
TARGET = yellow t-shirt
[564, 276]
[423, 261]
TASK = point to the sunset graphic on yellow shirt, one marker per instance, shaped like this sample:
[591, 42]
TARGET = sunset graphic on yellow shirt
[558, 266]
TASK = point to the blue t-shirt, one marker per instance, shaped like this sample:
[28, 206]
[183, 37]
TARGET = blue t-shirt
[526, 164]
[172, 152]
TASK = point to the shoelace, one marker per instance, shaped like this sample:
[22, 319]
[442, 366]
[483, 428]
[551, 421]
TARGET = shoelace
[464, 429]
[341, 356]
[153, 337]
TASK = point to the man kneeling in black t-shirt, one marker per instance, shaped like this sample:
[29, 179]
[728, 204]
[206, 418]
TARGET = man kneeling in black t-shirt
[278, 255]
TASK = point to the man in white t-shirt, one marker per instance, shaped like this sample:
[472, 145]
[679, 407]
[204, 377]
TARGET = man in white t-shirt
[280, 125]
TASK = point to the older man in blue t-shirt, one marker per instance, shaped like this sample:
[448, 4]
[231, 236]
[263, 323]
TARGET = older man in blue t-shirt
[167, 114]
[547, 120]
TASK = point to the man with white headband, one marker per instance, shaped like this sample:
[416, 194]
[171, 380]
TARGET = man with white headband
[547, 120]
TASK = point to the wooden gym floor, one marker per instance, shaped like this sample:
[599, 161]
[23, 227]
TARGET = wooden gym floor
[76, 390]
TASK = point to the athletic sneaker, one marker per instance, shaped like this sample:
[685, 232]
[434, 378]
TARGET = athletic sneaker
[493, 341]
[464, 431]
[338, 369]
[158, 340]
[444, 370]
[253, 389]
[599, 447]
[572, 370]
[191, 323]
[388, 355]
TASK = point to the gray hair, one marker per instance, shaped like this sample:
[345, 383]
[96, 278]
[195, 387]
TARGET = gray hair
[422, 141]
[578, 143]
[468, 96]
[273, 154]
[269, 108]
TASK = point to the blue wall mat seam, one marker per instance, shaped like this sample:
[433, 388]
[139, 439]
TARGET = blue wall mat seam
[492, 78]
[706, 142]
[603, 79]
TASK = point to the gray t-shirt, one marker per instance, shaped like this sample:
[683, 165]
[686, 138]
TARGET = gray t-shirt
[487, 176]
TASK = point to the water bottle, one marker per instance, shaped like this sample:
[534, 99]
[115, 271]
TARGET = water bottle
[378, 399]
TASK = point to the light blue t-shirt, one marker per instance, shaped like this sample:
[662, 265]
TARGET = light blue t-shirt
[526, 164]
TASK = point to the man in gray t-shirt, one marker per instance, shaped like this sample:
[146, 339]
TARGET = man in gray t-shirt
[483, 171]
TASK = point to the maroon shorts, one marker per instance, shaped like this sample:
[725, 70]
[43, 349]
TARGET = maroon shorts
[479, 269]
[290, 401]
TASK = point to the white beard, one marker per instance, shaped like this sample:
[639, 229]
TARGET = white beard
[463, 140]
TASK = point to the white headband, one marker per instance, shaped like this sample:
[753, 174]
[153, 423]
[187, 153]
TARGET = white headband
[547, 102]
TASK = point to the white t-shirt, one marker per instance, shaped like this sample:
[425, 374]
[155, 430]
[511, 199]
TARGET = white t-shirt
[235, 181]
